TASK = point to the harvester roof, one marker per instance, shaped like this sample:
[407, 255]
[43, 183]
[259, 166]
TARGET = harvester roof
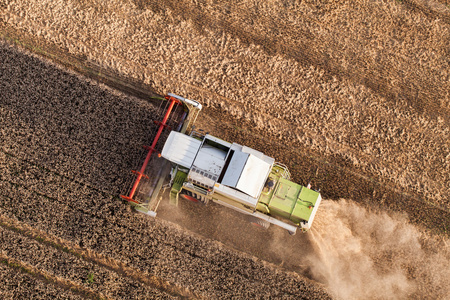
[181, 149]
[215, 161]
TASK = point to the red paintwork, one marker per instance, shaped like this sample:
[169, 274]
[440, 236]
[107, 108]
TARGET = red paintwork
[151, 149]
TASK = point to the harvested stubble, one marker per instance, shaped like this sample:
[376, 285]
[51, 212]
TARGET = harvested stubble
[366, 89]
[75, 200]
[19, 284]
[71, 270]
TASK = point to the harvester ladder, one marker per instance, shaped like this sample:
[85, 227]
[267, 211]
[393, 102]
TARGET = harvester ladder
[284, 170]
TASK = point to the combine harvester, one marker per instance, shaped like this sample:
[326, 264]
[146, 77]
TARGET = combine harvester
[203, 168]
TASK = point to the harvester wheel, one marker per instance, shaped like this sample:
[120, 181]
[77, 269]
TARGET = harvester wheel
[259, 222]
[190, 198]
[194, 197]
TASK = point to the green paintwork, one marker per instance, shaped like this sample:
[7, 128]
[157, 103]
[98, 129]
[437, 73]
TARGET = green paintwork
[180, 178]
[141, 209]
[304, 206]
[284, 198]
[287, 199]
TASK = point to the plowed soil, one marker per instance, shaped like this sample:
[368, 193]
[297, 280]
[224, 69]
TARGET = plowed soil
[352, 95]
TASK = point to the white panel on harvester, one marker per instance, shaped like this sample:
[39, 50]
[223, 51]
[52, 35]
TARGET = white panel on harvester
[181, 149]
[253, 176]
[234, 169]
[247, 173]
[210, 159]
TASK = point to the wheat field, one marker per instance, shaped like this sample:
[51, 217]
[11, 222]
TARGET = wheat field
[352, 95]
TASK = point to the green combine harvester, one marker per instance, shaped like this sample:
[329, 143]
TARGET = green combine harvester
[206, 169]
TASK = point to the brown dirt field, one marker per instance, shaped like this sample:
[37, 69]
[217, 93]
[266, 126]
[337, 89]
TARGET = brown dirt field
[353, 95]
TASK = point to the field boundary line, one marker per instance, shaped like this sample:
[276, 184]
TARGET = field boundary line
[93, 257]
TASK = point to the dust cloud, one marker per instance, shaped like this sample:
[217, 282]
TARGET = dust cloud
[362, 254]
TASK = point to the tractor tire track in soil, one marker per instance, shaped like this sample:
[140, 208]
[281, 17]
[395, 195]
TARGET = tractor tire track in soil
[76, 202]
[68, 285]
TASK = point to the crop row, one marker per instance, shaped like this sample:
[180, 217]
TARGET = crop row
[18, 283]
[69, 268]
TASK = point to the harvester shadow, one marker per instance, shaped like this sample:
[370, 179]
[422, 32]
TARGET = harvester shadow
[233, 230]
